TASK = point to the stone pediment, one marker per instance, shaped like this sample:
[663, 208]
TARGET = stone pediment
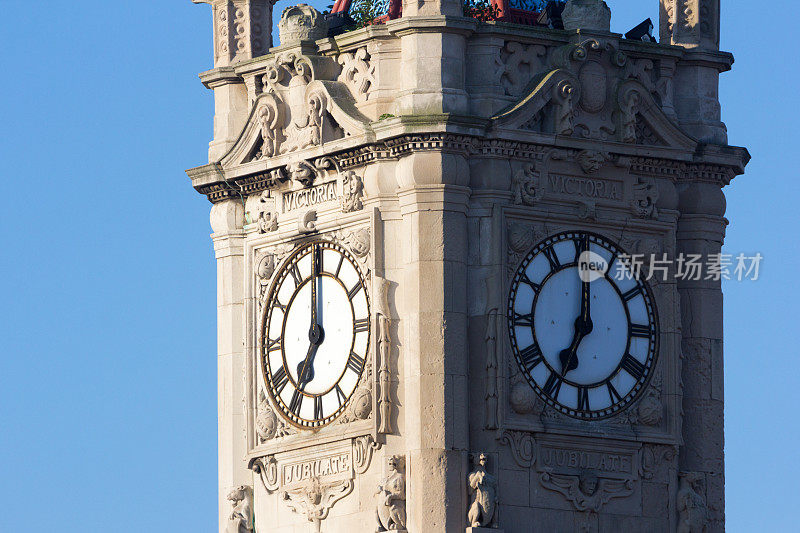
[592, 90]
[300, 107]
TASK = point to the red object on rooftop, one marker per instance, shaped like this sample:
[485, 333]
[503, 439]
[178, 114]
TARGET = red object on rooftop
[518, 12]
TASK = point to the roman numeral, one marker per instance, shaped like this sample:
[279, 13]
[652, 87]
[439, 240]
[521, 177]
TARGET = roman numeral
[318, 413]
[279, 305]
[274, 344]
[612, 393]
[583, 399]
[279, 380]
[339, 266]
[633, 293]
[553, 385]
[523, 278]
[355, 363]
[352, 292]
[340, 395]
[632, 366]
[581, 245]
[295, 272]
[638, 330]
[523, 320]
[361, 325]
[297, 402]
[531, 356]
[552, 258]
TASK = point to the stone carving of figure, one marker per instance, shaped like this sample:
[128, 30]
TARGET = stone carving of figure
[692, 512]
[391, 508]
[353, 191]
[241, 519]
[483, 488]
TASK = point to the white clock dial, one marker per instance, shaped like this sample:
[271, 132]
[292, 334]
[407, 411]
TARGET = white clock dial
[315, 334]
[586, 345]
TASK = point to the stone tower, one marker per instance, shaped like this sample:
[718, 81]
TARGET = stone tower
[400, 217]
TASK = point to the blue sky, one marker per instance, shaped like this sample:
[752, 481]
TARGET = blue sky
[108, 370]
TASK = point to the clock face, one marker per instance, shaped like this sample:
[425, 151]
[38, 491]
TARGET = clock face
[315, 334]
[585, 340]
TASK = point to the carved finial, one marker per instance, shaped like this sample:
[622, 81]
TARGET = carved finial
[242, 30]
[587, 15]
[301, 23]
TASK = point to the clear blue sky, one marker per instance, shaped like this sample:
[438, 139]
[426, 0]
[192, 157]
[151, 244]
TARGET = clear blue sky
[108, 366]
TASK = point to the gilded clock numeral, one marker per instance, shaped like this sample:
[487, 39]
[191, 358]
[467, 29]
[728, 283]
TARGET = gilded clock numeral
[295, 272]
[339, 266]
[279, 380]
[523, 320]
[639, 330]
[297, 402]
[355, 290]
[340, 395]
[583, 399]
[361, 325]
[553, 385]
[279, 305]
[612, 393]
[274, 344]
[531, 357]
[318, 412]
[633, 293]
[355, 363]
[552, 258]
[633, 366]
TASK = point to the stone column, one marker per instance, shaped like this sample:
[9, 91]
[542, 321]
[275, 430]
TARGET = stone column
[242, 31]
[694, 25]
[227, 221]
[701, 230]
[422, 8]
[433, 203]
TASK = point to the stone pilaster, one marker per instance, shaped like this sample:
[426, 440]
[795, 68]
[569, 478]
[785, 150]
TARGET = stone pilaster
[433, 204]
[423, 8]
[701, 230]
[242, 29]
[227, 220]
[694, 25]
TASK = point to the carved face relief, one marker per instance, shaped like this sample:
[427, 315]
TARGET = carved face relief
[316, 332]
[582, 326]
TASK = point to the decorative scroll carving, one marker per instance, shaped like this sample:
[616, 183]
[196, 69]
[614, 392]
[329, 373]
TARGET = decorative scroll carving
[483, 489]
[525, 186]
[267, 470]
[357, 73]
[391, 505]
[645, 196]
[315, 499]
[522, 447]
[587, 492]
[654, 457]
[267, 217]
[491, 369]
[692, 510]
[241, 517]
[564, 108]
[363, 448]
[307, 222]
[384, 353]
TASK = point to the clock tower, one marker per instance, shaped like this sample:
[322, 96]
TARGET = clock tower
[452, 288]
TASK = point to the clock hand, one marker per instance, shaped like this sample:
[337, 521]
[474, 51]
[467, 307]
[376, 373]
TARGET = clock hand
[305, 369]
[583, 327]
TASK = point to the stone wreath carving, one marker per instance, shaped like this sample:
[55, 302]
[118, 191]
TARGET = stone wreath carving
[390, 508]
[314, 499]
[483, 489]
[241, 517]
[268, 425]
[587, 492]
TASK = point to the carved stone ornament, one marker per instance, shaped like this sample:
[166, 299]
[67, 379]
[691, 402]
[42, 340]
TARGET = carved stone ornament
[359, 242]
[352, 192]
[357, 73]
[491, 369]
[525, 186]
[301, 23]
[483, 489]
[656, 460]
[268, 425]
[522, 445]
[523, 399]
[587, 15]
[645, 197]
[590, 161]
[390, 507]
[692, 510]
[517, 63]
[587, 492]
[363, 448]
[520, 237]
[266, 468]
[241, 517]
[267, 217]
[384, 354]
[314, 499]
[307, 222]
